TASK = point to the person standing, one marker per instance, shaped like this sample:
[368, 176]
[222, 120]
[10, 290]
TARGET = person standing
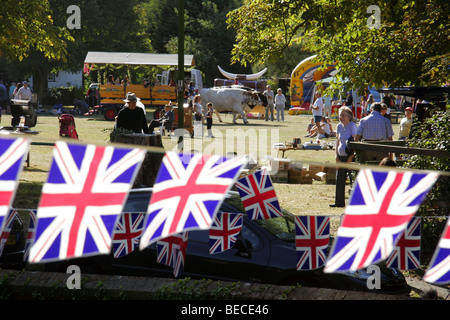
[385, 111]
[280, 102]
[132, 117]
[405, 124]
[191, 91]
[16, 89]
[198, 116]
[346, 130]
[3, 98]
[188, 117]
[12, 89]
[349, 100]
[317, 112]
[327, 106]
[270, 99]
[209, 118]
[370, 101]
[24, 93]
[364, 106]
[375, 127]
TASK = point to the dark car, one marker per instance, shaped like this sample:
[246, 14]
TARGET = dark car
[12, 254]
[264, 253]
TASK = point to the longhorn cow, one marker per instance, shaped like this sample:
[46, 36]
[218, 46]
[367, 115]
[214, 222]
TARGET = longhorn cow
[232, 99]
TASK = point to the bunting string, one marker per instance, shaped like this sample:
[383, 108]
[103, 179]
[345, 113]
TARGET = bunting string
[88, 184]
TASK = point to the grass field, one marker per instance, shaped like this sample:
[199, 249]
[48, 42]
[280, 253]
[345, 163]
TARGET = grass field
[256, 138]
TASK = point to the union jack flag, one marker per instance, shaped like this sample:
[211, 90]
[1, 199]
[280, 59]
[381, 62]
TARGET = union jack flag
[187, 195]
[12, 155]
[312, 234]
[30, 234]
[258, 196]
[381, 205]
[224, 231]
[171, 251]
[7, 229]
[127, 233]
[406, 253]
[439, 270]
[85, 192]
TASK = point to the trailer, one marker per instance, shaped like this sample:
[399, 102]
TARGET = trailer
[109, 97]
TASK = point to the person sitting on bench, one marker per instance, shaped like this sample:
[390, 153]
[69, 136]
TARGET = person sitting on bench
[165, 121]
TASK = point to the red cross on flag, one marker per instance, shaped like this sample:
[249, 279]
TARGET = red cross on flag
[84, 194]
[258, 196]
[187, 193]
[381, 205]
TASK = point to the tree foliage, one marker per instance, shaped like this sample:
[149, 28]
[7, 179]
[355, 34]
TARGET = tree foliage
[432, 133]
[409, 48]
[206, 33]
[28, 25]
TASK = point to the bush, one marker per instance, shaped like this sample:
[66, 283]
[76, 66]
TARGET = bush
[432, 133]
[62, 95]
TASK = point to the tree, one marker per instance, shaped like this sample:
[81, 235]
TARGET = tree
[105, 26]
[410, 47]
[432, 133]
[28, 25]
[206, 33]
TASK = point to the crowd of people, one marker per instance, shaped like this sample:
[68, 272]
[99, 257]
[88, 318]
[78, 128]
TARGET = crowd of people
[197, 116]
[15, 91]
[375, 125]
[133, 118]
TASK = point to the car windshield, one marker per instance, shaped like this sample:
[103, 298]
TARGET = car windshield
[282, 227]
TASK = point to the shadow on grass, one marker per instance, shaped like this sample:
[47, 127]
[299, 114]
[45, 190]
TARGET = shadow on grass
[28, 195]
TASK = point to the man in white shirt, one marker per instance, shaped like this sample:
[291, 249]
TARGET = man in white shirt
[24, 92]
[317, 112]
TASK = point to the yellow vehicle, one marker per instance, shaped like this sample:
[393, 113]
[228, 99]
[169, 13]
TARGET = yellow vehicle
[109, 97]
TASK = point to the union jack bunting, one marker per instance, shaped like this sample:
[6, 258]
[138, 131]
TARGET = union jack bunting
[171, 251]
[312, 234]
[187, 193]
[84, 194]
[127, 233]
[12, 156]
[406, 253]
[4, 237]
[30, 234]
[439, 270]
[258, 196]
[224, 231]
[381, 205]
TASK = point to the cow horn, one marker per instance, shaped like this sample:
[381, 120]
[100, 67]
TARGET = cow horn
[233, 76]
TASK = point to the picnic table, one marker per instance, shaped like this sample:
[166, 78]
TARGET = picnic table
[283, 147]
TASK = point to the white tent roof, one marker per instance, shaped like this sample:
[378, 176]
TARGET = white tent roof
[137, 58]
